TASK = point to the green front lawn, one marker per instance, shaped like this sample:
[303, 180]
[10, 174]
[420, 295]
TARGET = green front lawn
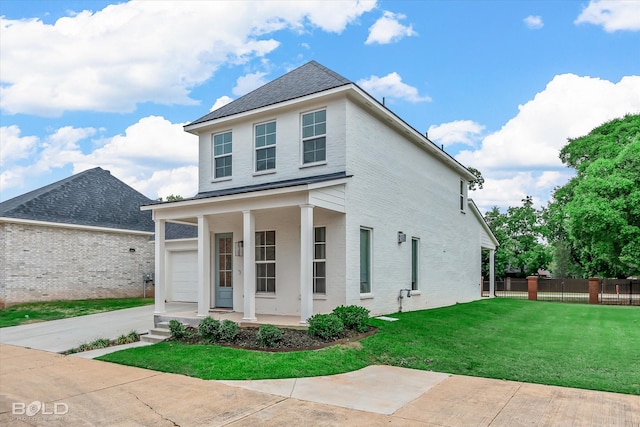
[52, 310]
[584, 346]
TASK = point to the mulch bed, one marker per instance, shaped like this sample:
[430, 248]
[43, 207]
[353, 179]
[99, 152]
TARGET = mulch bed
[292, 339]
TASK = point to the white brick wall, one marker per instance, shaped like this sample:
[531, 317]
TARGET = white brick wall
[288, 146]
[397, 186]
[42, 263]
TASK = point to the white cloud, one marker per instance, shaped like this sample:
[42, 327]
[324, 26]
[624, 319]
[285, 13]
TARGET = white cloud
[220, 102]
[465, 132]
[388, 29]
[153, 156]
[570, 106]
[181, 181]
[137, 52]
[533, 22]
[14, 146]
[249, 82]
[613, 15]
[391, 86]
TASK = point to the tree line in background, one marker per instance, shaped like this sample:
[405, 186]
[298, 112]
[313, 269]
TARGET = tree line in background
[591, 225]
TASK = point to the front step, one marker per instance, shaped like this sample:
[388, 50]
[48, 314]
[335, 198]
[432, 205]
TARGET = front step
[158, 334]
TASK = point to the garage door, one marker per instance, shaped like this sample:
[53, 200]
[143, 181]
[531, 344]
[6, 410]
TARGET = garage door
[183, 276]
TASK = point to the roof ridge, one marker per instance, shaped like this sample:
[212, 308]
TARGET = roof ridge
[10, 204]
[309, 78]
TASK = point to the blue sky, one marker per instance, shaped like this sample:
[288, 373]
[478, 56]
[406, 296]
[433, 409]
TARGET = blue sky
[500, 84]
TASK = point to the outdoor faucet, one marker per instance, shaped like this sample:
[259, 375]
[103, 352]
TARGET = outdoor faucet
[408, 291]
[400, 296]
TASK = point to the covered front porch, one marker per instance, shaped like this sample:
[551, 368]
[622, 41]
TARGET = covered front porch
[256, 251]
[191, 317]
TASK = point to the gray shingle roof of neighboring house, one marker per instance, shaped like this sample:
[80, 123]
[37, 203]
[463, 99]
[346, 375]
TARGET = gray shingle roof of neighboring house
[91, 198]
[305, 80]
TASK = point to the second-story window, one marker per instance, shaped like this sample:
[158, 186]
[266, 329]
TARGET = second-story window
[265, 137]
[314, 137]
[222, 145]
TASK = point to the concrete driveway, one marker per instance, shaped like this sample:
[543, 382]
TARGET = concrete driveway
[61, 335]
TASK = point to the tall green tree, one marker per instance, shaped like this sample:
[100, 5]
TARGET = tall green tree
[519, 232]
[596, 216]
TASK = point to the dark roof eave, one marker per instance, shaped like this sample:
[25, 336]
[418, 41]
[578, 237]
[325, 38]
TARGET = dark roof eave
[261, 187]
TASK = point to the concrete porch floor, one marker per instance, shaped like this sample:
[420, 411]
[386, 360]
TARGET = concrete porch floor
[191, 317]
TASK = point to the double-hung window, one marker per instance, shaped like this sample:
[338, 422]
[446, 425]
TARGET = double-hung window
[314, 137]
[365, 260]
[265, 144]
[222, 147]
[266, 261]
[319, 260]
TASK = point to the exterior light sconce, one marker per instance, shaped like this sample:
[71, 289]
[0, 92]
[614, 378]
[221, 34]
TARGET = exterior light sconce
[240, 248]
[401, 237]
[132, 250]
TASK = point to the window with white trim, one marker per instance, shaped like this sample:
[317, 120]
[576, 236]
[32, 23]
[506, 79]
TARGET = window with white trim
[365, 260]
[314, 137]
[415, 263]
[319, 260]
[265, 145]
[266, 261]
[222, 147]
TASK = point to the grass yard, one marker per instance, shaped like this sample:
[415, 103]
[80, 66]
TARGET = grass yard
[583, 346]
[52, 310]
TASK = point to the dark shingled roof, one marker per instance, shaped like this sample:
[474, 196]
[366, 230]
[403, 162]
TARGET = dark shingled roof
[91, 198]
[273, 185]
[305, 80]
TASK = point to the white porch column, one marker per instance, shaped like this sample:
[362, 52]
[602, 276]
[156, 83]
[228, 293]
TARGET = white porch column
[159, 272]
[306, 262]
[249, 266]
[204, 267]
[492, 272]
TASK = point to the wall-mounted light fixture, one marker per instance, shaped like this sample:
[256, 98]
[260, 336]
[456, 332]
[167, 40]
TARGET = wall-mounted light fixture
[401, 237]
[240, 248]
[132, 250]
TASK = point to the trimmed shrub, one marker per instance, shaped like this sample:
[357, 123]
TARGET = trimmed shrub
[228, 330]
[269, 335]
[177, 329]
[325, 326]
[209, 329]
[353, 317]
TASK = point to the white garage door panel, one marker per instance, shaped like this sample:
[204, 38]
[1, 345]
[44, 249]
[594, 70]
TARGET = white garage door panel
[184, 276]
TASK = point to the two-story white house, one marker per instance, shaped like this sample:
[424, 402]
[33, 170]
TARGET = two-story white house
[312, 194]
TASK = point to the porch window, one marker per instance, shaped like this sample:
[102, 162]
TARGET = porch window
[319, 260]
[222, 145]
[365, 260]
[314, 140]
[265, 142]
[266, 261]
[415, 252]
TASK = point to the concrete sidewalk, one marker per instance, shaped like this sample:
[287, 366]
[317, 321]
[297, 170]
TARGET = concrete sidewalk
[41, 388]
[61, 335]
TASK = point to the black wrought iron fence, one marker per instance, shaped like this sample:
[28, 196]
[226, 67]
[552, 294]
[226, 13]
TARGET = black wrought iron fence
[610, 291]
[620, 292]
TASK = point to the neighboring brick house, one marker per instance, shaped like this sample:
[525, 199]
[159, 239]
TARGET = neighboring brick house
[81, 237]
[313, 194]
